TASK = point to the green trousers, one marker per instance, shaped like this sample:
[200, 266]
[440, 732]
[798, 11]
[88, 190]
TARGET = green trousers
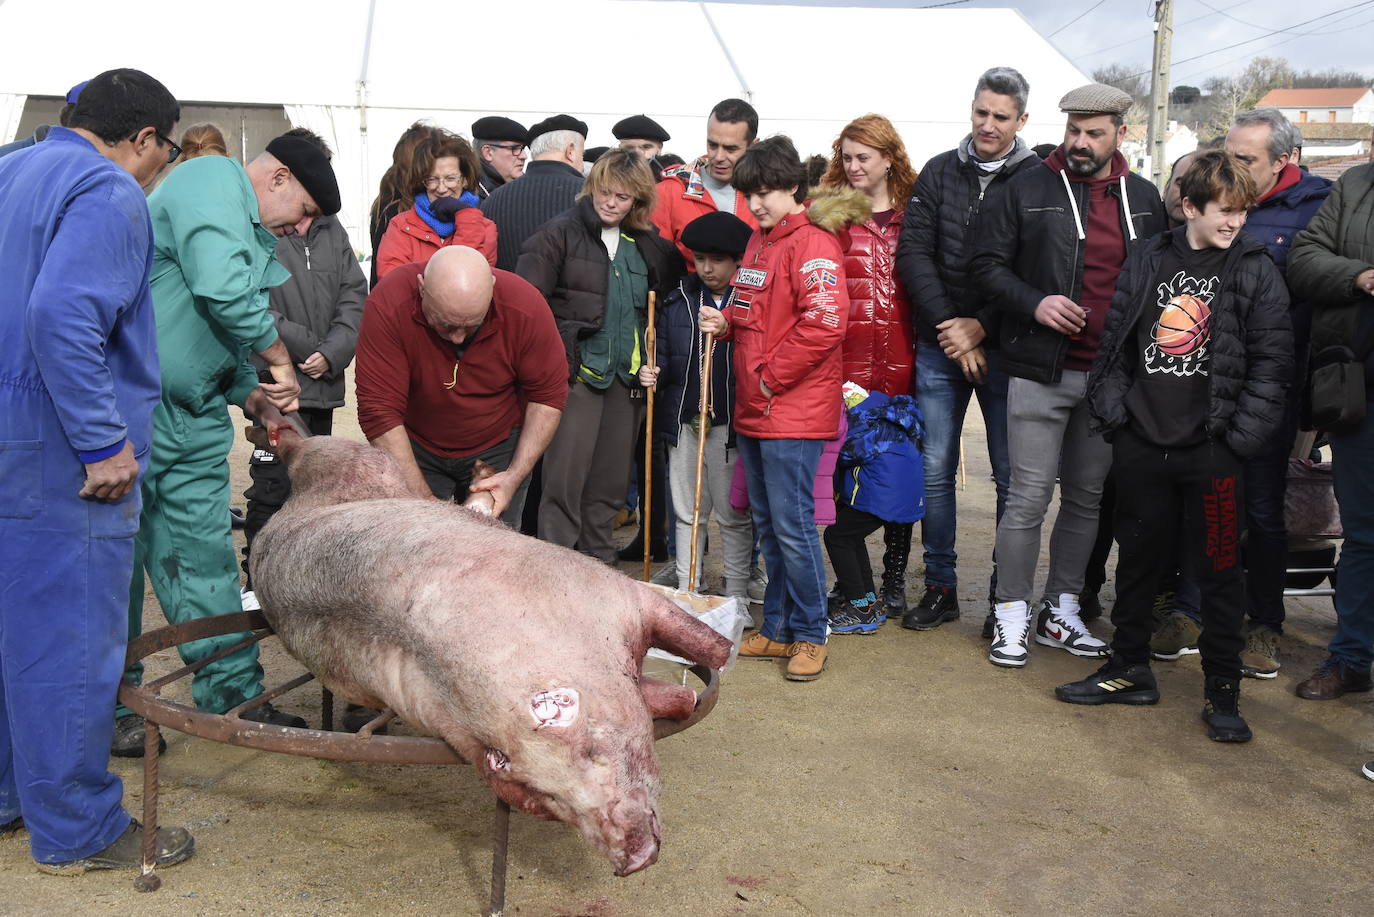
[185, 543]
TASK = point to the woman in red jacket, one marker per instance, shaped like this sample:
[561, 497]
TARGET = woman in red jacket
[865, 188]
[441, 209]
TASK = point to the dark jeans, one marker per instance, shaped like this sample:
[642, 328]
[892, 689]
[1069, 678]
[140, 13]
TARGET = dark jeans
[1200, 485]
[1354, 473]
[271, 485]
[844, 542]
[449, 478]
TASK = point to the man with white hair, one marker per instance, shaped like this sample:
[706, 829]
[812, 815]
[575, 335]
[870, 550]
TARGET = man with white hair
[552, 180]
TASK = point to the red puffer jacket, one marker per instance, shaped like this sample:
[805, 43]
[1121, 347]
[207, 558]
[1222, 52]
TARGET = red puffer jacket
[409, 240]
[879, 344]
[787, 314]
[682, 197]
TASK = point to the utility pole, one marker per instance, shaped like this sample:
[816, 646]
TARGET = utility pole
[1159, 89]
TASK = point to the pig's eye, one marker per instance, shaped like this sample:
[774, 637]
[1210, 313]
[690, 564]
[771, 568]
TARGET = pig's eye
[497, 761]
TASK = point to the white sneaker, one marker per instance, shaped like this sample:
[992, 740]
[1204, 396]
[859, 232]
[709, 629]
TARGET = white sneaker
[1062, 627]
[249, 600]
[1010, 634]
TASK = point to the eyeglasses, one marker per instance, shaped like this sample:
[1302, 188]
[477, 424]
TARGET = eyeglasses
[451, 181]
[514, 148]
[173, 152]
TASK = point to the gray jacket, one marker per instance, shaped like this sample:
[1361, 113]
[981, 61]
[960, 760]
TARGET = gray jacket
[320, 307]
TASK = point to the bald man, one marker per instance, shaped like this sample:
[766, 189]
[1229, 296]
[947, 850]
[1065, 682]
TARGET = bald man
[459, 362]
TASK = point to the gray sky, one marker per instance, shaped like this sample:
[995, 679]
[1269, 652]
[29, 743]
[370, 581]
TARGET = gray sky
[1119, 31]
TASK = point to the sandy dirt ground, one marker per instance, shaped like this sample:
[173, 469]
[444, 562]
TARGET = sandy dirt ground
[913, 778]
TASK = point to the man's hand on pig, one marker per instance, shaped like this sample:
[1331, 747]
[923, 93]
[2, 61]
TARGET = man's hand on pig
[265, 413]
[502, 486]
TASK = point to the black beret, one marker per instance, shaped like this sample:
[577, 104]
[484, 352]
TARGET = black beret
[717, 233]
[557, 123]
[312, 169]
[593, 153]
[495, 127]
[640, 127]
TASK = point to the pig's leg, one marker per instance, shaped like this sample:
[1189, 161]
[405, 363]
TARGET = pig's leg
[672, 629]
[674, 702]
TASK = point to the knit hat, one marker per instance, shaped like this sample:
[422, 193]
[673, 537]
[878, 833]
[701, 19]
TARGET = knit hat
[640, 127]
[312, 169]
[1096, 99]
[556, 123]
[717, 233]
[496, 127]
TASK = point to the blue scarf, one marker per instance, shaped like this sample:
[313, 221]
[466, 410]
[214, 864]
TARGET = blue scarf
[444, 230]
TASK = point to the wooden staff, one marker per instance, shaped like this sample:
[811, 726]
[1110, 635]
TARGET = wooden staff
[703, 427]
[646, 498]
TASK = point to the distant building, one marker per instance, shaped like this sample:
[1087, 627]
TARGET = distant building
[1322, 106]
[1178, 140]
[1350, 138]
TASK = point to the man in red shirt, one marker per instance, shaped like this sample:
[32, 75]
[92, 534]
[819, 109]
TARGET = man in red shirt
[459, 362]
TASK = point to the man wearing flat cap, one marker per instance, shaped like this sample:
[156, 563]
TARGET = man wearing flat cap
[1048, 258]
[552, 180]
[500, 144]
[215, 231]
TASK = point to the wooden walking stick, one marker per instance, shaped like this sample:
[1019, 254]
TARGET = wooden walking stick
[708, 347]
[646, 498]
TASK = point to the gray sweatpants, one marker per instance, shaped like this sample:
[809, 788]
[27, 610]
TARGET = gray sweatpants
[1047, 436]
[736, 529]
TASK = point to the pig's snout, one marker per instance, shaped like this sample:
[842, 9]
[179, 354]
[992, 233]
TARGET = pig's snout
[638, 826]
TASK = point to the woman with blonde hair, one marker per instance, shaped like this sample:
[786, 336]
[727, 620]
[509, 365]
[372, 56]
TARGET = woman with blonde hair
[596, 265]
[204, 139]
[866, 186]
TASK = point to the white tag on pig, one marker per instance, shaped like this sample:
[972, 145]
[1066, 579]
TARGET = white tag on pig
[554, 708]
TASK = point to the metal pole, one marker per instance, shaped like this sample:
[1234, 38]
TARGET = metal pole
[1159, 89]
[500, 841]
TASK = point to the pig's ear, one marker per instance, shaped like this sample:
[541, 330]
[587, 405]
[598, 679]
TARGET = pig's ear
[669, 701]
[674, 630]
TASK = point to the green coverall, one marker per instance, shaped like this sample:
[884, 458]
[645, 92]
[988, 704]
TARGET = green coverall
[213, 264]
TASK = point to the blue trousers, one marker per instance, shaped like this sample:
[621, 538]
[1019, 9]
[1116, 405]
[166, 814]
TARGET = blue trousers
[781, 474]
[65, 565]
[1353, 468]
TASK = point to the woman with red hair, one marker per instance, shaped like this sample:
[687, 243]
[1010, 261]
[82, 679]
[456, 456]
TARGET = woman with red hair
[867, 184]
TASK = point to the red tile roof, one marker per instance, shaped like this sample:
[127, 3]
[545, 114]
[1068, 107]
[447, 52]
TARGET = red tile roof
[1312, 98]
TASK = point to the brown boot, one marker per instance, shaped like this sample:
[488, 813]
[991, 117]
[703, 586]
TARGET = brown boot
[806, 660]
[1333, 679]
[757, 646]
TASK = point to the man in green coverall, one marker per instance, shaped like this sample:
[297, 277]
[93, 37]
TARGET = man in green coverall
[215, 229]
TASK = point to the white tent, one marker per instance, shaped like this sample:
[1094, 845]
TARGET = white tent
[360, 71]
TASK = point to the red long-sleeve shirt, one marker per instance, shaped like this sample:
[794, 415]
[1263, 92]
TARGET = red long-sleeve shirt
[409, 376]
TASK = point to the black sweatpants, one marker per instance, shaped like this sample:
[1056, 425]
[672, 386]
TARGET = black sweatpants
[1155, 488]
[271, 485]
[844, 542]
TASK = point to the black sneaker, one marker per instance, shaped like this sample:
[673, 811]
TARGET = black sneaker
[857, 619]
[893, 597]
[271, 716]
[1113, 684]
[1221, 711]
[1089, 606]
[835, 603]
[990, 622]
[172, 846]
[1368, 770]
[938, 605]
[130, 733]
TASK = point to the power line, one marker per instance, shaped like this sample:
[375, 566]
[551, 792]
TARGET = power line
[1237, 19]
[1131, 41]
[1076, 18]
[1204, 71]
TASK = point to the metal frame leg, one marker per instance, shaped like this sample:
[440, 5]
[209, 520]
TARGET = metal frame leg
[500, 841]
[147, 880]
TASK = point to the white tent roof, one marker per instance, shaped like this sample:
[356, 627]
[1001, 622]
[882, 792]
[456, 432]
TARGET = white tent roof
[807, 69]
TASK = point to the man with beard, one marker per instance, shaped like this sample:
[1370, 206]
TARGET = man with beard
[1048, 260]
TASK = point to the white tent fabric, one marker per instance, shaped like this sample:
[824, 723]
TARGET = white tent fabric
[807, 69]
[11, 109]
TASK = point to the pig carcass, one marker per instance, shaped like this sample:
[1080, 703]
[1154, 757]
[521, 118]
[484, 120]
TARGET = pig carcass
[523, 656]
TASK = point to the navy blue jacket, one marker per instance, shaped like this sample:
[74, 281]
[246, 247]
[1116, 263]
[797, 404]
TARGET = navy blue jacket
[1276, 222]
[678, 397]
[880, 468]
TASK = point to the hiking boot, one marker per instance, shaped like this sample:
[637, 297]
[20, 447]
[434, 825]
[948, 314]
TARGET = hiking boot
[1089, 606]
[757, 646]
[1060, 625]
[758, 585]
[271, 716]
[1113, 683]
[856, 618]
[938, 605]
[1221, 711]
[172, 846]
[1333, 679]
[1163, 607]
[835, 603]
[1176, 637]
[1260, 658]
[1010, 635]
[130, 733]
[893, 596]
[805, 661]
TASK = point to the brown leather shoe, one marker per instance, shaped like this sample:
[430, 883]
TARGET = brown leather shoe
[757, 646]
[805, 661]
[1332, 679]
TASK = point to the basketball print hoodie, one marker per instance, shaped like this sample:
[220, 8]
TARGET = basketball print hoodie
[1198, 345]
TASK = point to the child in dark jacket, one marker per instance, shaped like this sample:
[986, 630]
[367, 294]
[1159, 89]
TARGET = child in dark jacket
[879, 481]
[1189, 381]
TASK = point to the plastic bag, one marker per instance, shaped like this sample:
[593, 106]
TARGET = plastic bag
[727, 616]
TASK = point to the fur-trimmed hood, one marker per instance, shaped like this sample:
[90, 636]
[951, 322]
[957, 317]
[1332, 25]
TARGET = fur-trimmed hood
[834, 209]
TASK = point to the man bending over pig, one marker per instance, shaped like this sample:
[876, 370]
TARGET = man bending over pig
[459, 362]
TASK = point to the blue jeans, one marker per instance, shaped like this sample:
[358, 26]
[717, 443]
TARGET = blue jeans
[781, 475]
[1354, 474]
[943, 394]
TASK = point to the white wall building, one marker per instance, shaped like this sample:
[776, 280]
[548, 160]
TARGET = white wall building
[1329, 106]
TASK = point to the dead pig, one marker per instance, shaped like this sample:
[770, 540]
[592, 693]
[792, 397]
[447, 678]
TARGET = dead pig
[525, 657]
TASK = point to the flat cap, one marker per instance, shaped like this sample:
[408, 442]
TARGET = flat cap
[717, 233]
[640, 127]
[557, 123]
[312, 169]
[495, 127]
[1096, 99]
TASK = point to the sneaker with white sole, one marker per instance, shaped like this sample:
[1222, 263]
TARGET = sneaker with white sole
[1010, 635]
[1368, 770]
[1059, 625]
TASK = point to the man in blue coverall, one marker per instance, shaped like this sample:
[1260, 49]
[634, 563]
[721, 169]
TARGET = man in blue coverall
[78, 382]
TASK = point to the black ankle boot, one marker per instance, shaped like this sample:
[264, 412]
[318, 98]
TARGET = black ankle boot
[897, 542]
[1221, 711]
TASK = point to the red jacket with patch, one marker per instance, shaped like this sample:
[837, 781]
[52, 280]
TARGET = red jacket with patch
[409, 240]
[682, 198]
[787, 313]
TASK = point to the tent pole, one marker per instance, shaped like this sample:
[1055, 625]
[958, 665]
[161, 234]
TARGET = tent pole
[729, 58]
[362, 125]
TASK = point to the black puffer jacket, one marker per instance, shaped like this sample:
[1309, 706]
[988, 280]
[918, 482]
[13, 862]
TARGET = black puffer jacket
[567, 262]
[939, 227]
[1028, 248]
[1251, 345]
